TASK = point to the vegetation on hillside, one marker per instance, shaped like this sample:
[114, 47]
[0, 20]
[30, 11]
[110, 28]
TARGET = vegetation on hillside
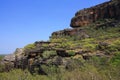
[1, 56]
[105, 66]
[94, 69]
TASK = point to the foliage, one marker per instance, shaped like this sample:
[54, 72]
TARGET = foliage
[20, 75]
[29, 46]
[115, 46]
[77, 71]
[89, 44]
[1, 56]
[71, 53]
[45, 46]
[116, 59]
[95, 68]
[47, 54]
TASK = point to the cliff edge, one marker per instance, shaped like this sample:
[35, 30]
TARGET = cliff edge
[107, 10]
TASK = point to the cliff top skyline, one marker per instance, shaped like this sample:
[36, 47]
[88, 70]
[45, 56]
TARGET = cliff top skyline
[26, 21]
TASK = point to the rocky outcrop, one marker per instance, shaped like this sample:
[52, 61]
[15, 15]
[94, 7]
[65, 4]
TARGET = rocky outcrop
[80, 33]
[9, 60]
[18, 53]
[51, 53]
[40, 43]
[110, 9]
[11, 57]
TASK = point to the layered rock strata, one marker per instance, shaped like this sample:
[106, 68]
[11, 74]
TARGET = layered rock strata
[110, 9]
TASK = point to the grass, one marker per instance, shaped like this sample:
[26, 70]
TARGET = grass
[18, 74]
[88, 71]
[1, 56]
[96, 68]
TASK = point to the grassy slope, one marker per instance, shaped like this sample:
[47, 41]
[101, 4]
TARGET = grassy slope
[93, 69]
[108, 35]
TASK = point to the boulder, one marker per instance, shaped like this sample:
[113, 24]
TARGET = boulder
[9, 58]
[19, 53]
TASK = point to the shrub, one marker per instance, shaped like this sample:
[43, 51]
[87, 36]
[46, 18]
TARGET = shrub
[29, 46]
[116, 59]
[114, 47]
[18, 74]
[116, 44]
[1, 57]
[47, 54]
[90, 47]
[71, 53]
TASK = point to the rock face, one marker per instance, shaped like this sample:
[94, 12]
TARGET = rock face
[11, 57]
[18, 52]
[110, 9]
[9, 60]
[81, 33]
[49, 53]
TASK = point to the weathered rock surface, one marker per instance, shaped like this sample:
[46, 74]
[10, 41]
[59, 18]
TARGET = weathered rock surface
[11, 57]
[18, 53]
[81, 33]
[110, 9]
[9, 60]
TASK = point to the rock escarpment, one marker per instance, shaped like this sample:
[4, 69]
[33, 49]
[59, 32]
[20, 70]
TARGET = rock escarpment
[76, 43]
[107, 10]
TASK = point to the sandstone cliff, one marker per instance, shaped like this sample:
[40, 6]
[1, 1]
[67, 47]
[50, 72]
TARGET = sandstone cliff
[110, 9]
[68, 45]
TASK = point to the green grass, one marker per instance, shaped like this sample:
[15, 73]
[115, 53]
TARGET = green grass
[97, 68]
[90, 70]
[96, 36]
[1, 56]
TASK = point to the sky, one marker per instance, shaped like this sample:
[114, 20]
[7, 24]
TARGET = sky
[25, 21]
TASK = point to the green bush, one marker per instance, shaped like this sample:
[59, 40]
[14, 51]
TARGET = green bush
[47, 54]
[116, 59]
[71, 53]
[116, 44]
[90, 47]
[114, 47]
[1, 56]
[29, 46]
[18, 74]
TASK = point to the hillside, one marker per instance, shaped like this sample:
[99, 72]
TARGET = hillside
[88, 51]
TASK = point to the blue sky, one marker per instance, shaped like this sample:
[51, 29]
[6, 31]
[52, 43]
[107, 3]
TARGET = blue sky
[26, 21]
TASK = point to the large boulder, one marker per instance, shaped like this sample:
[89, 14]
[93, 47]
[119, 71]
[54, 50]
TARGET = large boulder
[19, 53]
[9, 60]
